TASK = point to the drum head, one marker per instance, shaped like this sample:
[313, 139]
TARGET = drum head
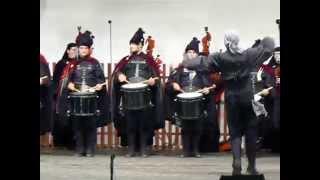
[82, 93]
[134, 86]
[189, 95]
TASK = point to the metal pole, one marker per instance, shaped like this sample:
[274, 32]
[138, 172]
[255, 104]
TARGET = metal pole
[110, 41]
[278, 22]
[111, 166]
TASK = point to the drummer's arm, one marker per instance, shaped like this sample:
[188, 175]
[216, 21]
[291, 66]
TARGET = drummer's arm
[173, 81]
[121, 77]
[177, 87]
[44, 82]
[203, 63]
[71, 86]
[44, 71]
[100, 77]
[100, 74]
[151, 81]
[210, 89]
[268, 81]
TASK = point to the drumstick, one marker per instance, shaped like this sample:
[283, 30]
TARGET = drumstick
[208, 88]
[145, 81]
[259, 93]
[75, 89]
[148, 80]
[181, 90]
[102, 84]
[44, 77]
[94, 87]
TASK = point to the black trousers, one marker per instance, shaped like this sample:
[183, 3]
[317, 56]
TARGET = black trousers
[210, 133]
[139, 129]
[63, 135]
[275, 133]
[242, 121]
[46, 122]
[191, 132]
[276, 114]
[271, 135]
[85, 132]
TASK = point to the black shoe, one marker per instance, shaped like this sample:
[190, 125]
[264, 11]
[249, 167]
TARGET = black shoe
[236, 171]
[90, 155]
[130, 154]
[252, 171]
[145, 152]
[78, 154]
[236, 167]
[184, 155]
[197, 155]
[90, 152]
[144, 155]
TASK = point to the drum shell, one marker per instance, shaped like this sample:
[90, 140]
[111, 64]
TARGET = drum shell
[83, 104]
[190, 109]
[135, 99]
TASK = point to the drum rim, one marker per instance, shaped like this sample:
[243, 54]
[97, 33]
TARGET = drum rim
[194, 97]
[82, 93]
[83, 114]
[143, 86]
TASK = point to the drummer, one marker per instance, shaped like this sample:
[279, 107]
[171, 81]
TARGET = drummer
[85, 127]
[183, 80]
[136, 127]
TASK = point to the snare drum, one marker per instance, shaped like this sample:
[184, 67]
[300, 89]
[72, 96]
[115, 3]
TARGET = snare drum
[83, 104]
[190, 105]
[135, 96]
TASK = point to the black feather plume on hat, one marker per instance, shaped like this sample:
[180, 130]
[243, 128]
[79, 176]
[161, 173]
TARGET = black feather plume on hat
[138, 37]
[193, 45]
[85, 39]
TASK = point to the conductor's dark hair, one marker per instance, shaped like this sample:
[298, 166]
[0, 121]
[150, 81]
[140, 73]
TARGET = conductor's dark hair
[256, 43]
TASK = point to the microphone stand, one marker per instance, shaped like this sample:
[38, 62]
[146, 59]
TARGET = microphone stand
[111, 165]
[110, 41]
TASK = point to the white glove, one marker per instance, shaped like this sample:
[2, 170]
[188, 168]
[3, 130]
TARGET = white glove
[206, 91]
[257, 97]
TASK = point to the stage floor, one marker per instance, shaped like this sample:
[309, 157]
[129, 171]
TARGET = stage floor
[62, 165]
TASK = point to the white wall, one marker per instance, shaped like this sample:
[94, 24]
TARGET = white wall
[172, 23]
